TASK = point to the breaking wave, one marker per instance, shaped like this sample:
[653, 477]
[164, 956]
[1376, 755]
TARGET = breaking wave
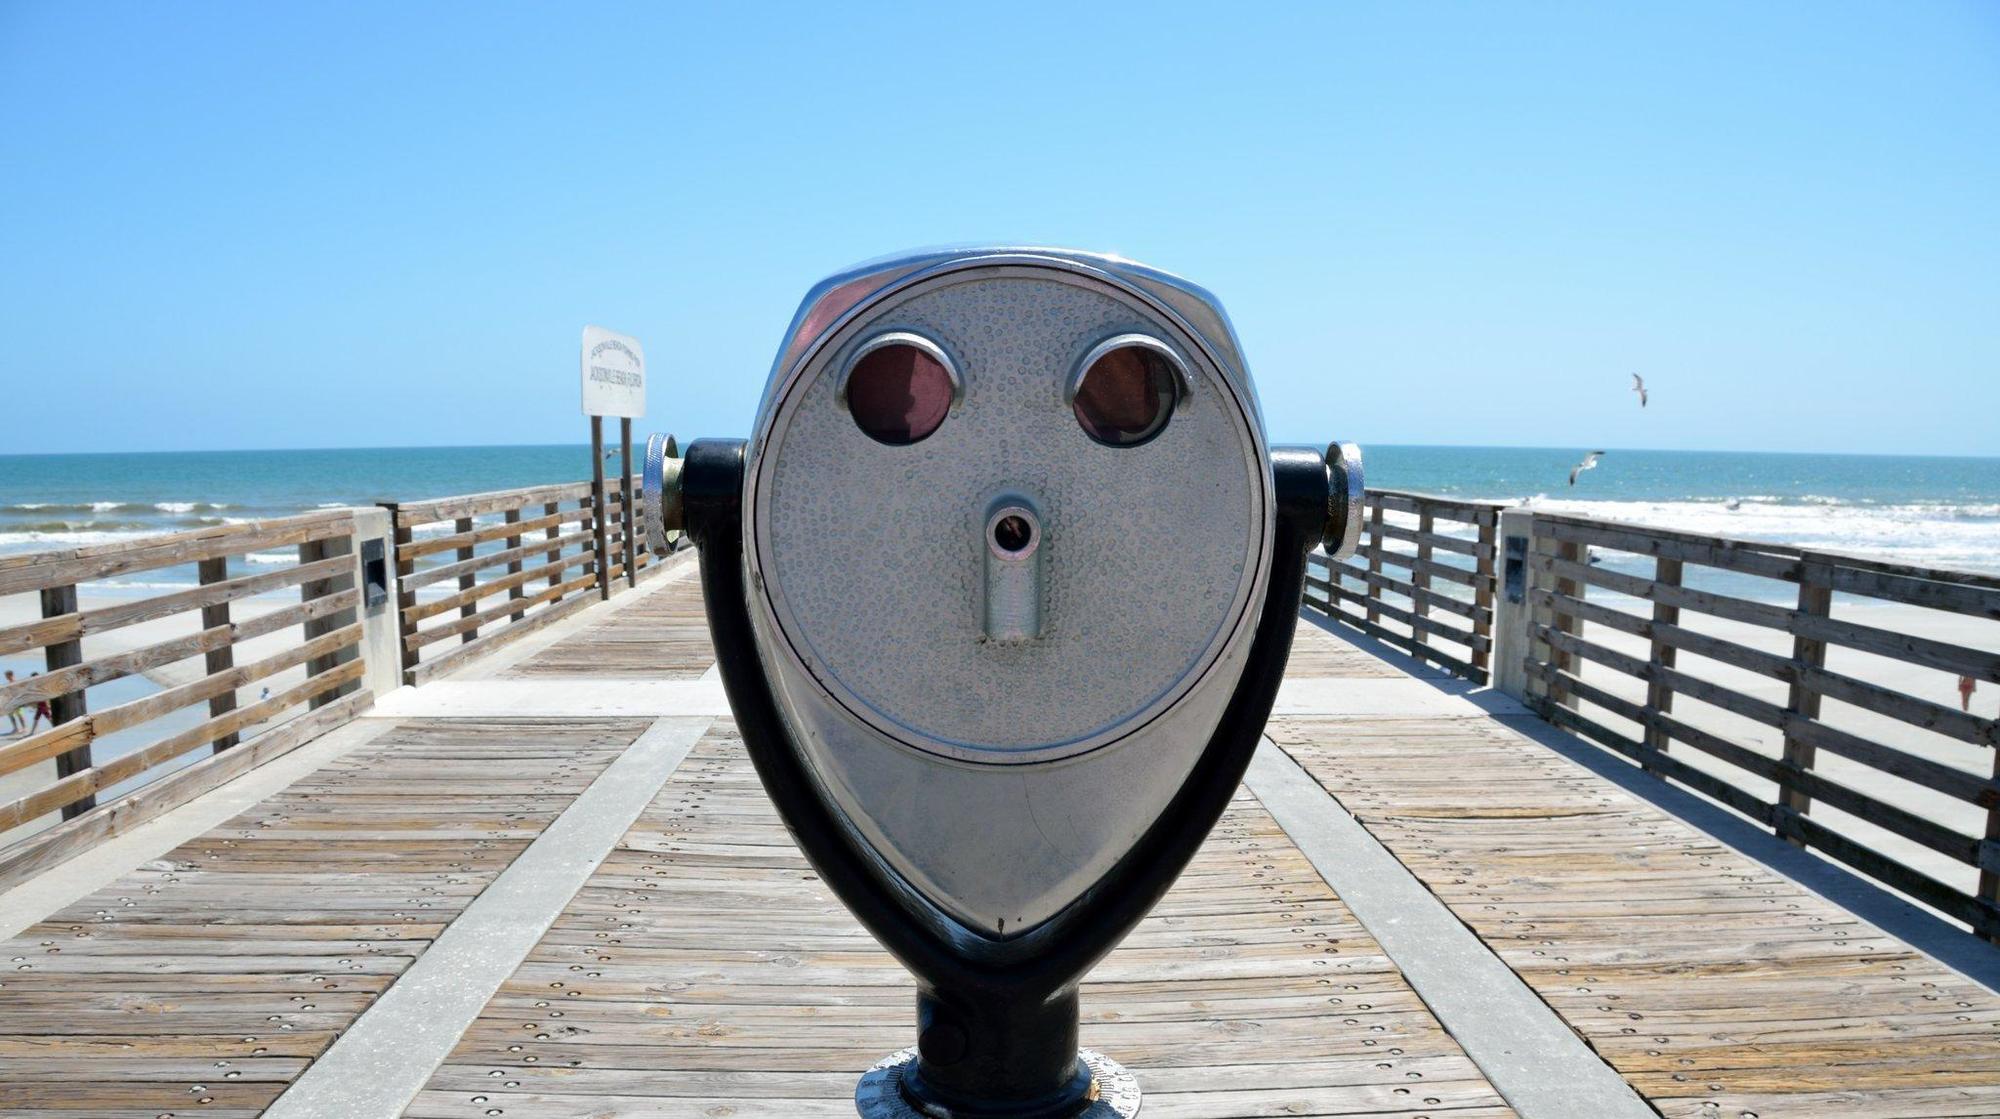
[1938, 534]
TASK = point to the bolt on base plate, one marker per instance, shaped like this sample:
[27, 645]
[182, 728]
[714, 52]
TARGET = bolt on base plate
[880, 1093]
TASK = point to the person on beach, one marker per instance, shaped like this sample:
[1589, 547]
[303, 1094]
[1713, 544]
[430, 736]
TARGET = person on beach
[16, 724]
[41, 710]
[1966, 685]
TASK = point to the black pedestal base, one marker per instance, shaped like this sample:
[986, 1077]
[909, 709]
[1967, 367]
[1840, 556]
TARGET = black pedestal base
[1111, 1091]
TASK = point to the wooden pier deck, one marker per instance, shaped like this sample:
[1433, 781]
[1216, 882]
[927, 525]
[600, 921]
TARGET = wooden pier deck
[548, 884]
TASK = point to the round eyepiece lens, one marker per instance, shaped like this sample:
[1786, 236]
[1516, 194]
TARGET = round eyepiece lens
[1012, 533]
[898, 394]
[1125, 396]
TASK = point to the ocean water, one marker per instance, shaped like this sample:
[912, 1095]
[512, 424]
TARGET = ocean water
[1938, 511]
[63, 501]
[1930, 510]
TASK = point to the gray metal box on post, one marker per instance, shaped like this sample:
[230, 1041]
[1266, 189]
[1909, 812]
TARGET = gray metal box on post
[1513, 621]
[375, 574]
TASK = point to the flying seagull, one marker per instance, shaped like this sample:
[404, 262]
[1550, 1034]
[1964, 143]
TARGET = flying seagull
[1589, 463]
[1639, 386]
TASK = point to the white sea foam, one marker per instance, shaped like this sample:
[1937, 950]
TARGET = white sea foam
[1932, 533]
[270, 557]
[35, 541]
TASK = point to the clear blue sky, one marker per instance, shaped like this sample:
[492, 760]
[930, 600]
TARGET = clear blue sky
[260, 225]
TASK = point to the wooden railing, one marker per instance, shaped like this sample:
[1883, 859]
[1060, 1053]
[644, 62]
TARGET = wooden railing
[539, 547]
[117, 763]
[1864, 757]
[1422, 579]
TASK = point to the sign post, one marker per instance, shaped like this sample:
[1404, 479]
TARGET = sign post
[614, 384]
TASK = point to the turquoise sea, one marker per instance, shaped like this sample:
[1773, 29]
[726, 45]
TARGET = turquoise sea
[1941, 511]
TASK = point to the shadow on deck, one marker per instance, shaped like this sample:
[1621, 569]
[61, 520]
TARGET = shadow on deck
[549, 885]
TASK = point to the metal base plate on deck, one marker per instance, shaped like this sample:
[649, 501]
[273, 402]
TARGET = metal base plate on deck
[880, 1093]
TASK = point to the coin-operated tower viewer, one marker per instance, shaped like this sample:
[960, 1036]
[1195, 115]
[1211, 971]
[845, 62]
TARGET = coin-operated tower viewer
[1001, 586]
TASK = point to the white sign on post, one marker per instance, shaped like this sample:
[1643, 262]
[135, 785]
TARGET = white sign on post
[614, 374]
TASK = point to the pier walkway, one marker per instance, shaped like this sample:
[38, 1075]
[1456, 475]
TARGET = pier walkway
[547, 884]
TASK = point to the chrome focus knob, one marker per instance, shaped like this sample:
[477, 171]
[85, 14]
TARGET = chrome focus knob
[660, 493]
[1344, 492]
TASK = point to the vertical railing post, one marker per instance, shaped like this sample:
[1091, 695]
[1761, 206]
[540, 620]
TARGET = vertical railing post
[1568, 551]
[466, 581]
[210, 572]
[1374, 547]
[1420, 579]
[1550, 617]
[555, 553]
[1802, 701]
[1660, 697]
[514, 567]
[1989, 881]
[1482, 591]
[625, 502]
[406, 596]
[599, 511]
[1541, 618]
[313, 551]
[57, 601]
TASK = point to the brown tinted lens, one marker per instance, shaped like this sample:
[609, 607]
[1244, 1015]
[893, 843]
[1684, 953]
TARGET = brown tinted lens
[1126, 396]
[898, 394]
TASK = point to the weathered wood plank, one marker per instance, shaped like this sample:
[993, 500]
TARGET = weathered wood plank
[417, 513]
[204, 976]
[36, 571]
[69, 627]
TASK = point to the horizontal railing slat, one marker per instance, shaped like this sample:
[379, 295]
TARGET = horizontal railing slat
[479, 646]
[1462, 636]
[1403, 641]
[1377, 581]
[1910, 648]
[1596, 530]
[1909, 825]
[421, 548]
[1446, 508]
[69, 627]
[90, 673]
[420, 638]
[1435, 540]
[541, 546]
[413, 514]
[76, 786]
[491, 587]
[42, 570]
[1962, 725]
[97, 724]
